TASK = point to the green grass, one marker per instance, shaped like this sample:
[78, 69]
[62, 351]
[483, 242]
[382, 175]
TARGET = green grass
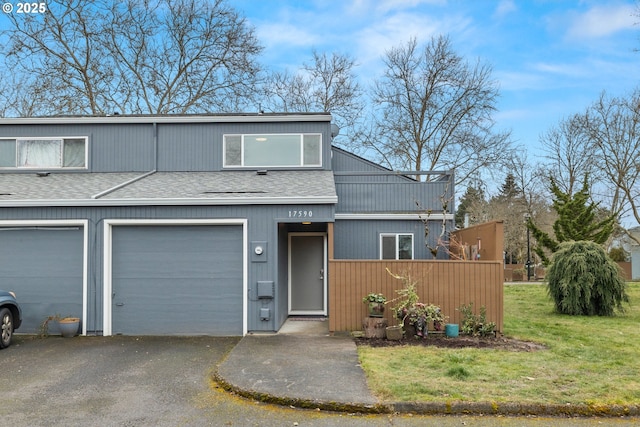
[589, 360]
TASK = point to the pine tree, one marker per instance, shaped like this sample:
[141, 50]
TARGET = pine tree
[469, 198]
[578, 219]
[510, 191]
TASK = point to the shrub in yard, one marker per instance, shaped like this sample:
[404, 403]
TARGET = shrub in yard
[476, 324]
[584, 280]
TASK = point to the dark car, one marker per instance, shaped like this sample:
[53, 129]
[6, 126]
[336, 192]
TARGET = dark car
[10, 317]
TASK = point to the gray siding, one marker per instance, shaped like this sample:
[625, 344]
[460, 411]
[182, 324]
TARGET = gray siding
[360, 239]
[195, 147]
[390, 197]
[364, 187]
[262, 226]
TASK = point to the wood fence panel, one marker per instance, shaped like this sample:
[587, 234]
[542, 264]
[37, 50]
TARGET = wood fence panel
[449, 284]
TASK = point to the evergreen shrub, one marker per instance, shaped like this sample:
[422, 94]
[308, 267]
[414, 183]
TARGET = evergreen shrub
[584, 280]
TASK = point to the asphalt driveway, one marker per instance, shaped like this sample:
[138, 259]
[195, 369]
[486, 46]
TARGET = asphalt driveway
[123, 381]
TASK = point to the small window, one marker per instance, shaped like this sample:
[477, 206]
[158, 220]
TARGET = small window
[273, 150]
[43, 153]
[396, 246]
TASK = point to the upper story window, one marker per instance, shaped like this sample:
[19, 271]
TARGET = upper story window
[273, 150]
[396, 246]
[43, 152]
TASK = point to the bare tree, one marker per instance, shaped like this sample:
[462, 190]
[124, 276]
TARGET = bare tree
[435, 112]
[570, 153]
[326, 84]
[151, 56]
[613, 125]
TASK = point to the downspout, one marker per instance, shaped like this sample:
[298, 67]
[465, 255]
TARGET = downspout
[155, 146]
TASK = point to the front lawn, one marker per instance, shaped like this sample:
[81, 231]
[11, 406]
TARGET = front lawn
[589, 360]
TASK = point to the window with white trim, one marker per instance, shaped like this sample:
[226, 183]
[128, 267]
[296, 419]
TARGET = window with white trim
[43, 152]
[396, 246]
[273, 150]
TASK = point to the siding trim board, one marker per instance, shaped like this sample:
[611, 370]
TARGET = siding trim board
[152, 119]
[62, 223]
[383, 216]
[108, 258]
[217, 201]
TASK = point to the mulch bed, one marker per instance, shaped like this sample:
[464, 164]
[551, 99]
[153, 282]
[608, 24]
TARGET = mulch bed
[462, 341]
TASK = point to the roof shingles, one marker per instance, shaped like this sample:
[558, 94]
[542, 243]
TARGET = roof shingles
[167, 185]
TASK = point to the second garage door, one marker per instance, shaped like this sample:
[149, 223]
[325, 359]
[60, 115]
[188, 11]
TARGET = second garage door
[177, 280]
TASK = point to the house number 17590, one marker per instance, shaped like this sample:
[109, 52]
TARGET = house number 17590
[300, 214]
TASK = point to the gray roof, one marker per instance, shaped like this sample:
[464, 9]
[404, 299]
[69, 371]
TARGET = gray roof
[175, 188]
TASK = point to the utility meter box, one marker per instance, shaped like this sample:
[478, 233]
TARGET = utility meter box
[265, 314]
[266, 289]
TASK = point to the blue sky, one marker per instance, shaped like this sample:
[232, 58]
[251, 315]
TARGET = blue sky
[551, 58]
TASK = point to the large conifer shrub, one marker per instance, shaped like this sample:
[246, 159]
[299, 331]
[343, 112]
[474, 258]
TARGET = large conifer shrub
[584, 280]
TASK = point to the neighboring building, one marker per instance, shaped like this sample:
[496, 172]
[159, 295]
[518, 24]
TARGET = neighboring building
[188, 225]
[634, 250]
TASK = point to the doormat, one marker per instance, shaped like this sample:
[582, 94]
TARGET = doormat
[307, 318]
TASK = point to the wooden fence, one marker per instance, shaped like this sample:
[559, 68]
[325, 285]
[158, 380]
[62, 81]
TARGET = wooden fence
[448, 284]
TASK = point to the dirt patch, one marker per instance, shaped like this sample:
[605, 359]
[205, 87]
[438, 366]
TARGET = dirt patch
[462, 341]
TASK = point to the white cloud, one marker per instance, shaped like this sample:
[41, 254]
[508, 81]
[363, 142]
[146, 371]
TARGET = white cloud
[504, 8]
[286, 34]
[601, 21]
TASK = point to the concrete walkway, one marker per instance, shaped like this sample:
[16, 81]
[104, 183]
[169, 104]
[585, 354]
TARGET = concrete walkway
[302, 365]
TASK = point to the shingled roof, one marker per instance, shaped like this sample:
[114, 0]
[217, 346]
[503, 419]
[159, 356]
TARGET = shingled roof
[173, 188]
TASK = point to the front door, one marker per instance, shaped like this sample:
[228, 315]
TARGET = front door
[307, 274]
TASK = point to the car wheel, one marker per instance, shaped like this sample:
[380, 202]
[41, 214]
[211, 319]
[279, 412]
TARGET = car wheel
[6, 325]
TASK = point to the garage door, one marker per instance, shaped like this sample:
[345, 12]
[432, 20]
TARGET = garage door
[44, 266]
[177, 280]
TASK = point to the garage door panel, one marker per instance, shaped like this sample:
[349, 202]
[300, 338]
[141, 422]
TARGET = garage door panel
[177, 280]
[176, 267]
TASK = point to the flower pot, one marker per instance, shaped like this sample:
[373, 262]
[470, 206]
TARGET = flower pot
[410, 331]
[376, 309]
[394, 333]
[451, 330]
[69, 326]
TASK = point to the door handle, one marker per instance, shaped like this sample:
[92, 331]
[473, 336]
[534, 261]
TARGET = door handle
[322, 274]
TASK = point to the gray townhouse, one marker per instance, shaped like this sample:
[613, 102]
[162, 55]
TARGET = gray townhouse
[196, 224]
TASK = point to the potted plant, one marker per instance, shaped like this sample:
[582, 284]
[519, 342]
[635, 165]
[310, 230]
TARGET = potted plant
[407, 297]
[419, 316]
[68, 325]
[415, 316]
[375, 303]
